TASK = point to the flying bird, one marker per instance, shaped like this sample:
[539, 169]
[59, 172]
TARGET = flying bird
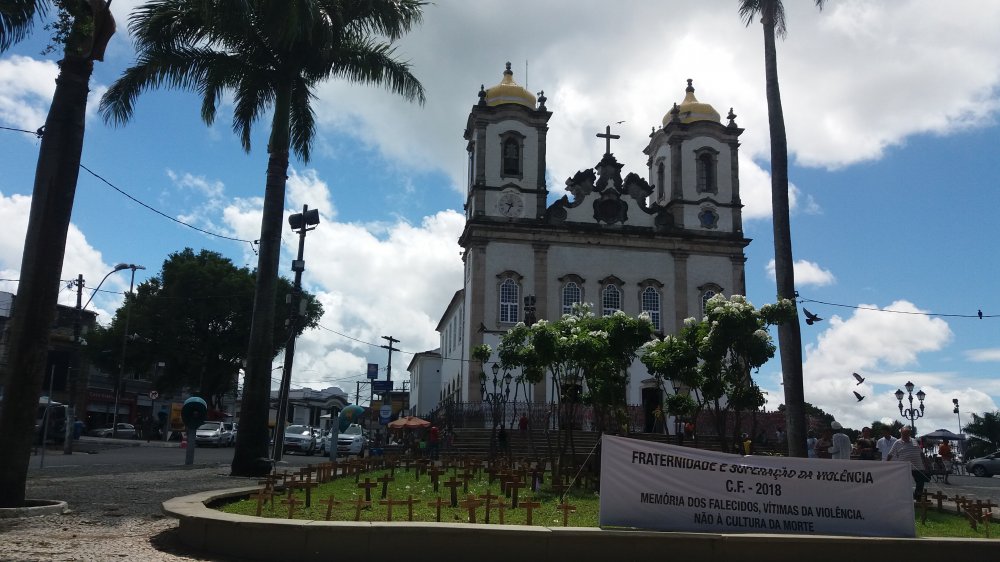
[858, 378]
[858, 396]
[811, 318]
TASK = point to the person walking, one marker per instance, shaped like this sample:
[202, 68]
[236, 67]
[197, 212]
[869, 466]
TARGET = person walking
[906, 449]
[840, 444]
[885, 443]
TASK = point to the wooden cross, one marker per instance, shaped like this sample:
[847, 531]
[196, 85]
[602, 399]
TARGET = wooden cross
[367, 485]
[491, 471]
[939, 496]
[607, 136]
[488, 497]
[306, 485]
[529, 506]
[566, 509]
[513, 486]
[466, 476]
[262, 496]
[959, 503]
[360, 504]
[471, 503]
[385, 484]
[409, 501]
[537, 477]
[435, 472]
[330, 502]
[453, 484]
[501, 507]
[388, 510]
[436, 504]
[393, 464]
[291, 502]
[923, 504]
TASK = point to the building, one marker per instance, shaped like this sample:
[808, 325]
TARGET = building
[661, 245]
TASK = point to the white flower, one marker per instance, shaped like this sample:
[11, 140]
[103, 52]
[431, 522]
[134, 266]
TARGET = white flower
[690, 321]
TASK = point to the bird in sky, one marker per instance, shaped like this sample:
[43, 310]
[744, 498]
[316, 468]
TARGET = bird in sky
[858, 378]
[810, 317]
[858, 396]
[980, 311]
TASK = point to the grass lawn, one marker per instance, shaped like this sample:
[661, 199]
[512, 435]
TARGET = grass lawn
[586, 505]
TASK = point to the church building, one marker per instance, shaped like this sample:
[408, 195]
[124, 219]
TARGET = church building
[662, 241]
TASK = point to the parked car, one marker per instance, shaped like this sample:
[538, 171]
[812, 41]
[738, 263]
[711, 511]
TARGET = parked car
[125, 430]
[985, 466]
[322, 440]
[233, 428]
[213, 433]
[300, 438]
[352, 441]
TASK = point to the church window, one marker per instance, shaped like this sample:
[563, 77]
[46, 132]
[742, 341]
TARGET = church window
[708, 291]
[707, 166]
[571, 295]
[512, 154]
[651, 305]
[510, 297]
[611, 300]
[660, 181]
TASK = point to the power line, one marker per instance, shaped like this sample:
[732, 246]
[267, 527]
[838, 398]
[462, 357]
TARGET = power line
[910, 312]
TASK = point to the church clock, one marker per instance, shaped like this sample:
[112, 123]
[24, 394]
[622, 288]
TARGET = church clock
[510, 204]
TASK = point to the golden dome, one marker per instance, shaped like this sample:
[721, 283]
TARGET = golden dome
[508, 91]
[691, 109]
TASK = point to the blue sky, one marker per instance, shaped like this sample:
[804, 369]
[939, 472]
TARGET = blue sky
[892, 126]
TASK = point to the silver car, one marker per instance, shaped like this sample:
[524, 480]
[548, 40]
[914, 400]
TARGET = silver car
[300, 438]
[985, 466]
[212, 433]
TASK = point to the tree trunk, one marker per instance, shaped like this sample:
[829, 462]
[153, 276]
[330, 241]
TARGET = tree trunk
[41, 267]
[789, 336]
[252, 438]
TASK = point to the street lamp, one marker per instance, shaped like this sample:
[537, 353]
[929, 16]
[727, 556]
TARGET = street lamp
[125, 338]
[911, 413]
[497, 395]
[958, 414]
[299, 222]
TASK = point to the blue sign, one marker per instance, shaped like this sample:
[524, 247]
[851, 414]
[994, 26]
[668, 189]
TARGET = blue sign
[381, 387]
[373, 371]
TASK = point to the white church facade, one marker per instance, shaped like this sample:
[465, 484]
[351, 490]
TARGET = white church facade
[660, 242]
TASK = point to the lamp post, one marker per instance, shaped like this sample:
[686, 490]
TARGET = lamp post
[959, 415]
[128, 314]
[911, 413]
[299, 222]
[497, 395]
[677, 419]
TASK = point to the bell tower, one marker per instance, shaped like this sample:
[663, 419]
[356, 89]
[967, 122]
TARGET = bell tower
[505, 136]
[694, 167]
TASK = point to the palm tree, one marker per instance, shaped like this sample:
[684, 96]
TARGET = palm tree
[983, 435]
[268, 54]
[772, 16]
[87, 32]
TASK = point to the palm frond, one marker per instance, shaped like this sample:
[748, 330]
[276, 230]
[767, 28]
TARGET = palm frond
[369, 62]
[16, 19]
[302, 119]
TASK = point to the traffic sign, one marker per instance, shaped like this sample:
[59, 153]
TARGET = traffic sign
[381, 387]
[373, 371]
[153, 395]
[384, 413]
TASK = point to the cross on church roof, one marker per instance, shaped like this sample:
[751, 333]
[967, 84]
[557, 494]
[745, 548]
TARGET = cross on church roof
[607, 136]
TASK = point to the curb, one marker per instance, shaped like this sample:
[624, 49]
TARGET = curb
[34, 508]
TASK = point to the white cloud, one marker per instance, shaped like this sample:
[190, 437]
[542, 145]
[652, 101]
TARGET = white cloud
[983, 355]
[26, 87]
[807, 273]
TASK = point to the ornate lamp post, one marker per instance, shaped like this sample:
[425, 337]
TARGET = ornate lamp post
[125, 338]
[677, 419]
[959, 415]
[911, 413]
[497, 394]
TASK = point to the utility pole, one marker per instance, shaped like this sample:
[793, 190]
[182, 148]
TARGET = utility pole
[357, 392]
[74, 371]
[299, 222]
[388, 367]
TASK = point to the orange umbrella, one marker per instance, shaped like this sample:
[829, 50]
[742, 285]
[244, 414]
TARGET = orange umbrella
[409, 422]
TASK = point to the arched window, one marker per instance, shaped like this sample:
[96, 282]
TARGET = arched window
[510, 297]
[708, 291]
[611, 299]
[707, 176]
[571, 295]
[511, 154]
[660, 181]
[651, 305]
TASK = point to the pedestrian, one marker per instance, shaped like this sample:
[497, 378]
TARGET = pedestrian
[866, 445]
[885, 443]
[840, 444]
[747, 444]
[502, 440]
[823, 444]
[433, 441]
[906, 449]
[522, 425]
[944, 450]
[811, 443]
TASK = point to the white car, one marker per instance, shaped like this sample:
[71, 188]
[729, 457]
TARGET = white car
[213, 433]
[352, 441]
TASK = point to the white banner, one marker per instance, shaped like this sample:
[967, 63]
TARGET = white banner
[649, 485]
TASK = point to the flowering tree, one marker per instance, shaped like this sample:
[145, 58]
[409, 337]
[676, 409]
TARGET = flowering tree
[713, 358]
[587, 357]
